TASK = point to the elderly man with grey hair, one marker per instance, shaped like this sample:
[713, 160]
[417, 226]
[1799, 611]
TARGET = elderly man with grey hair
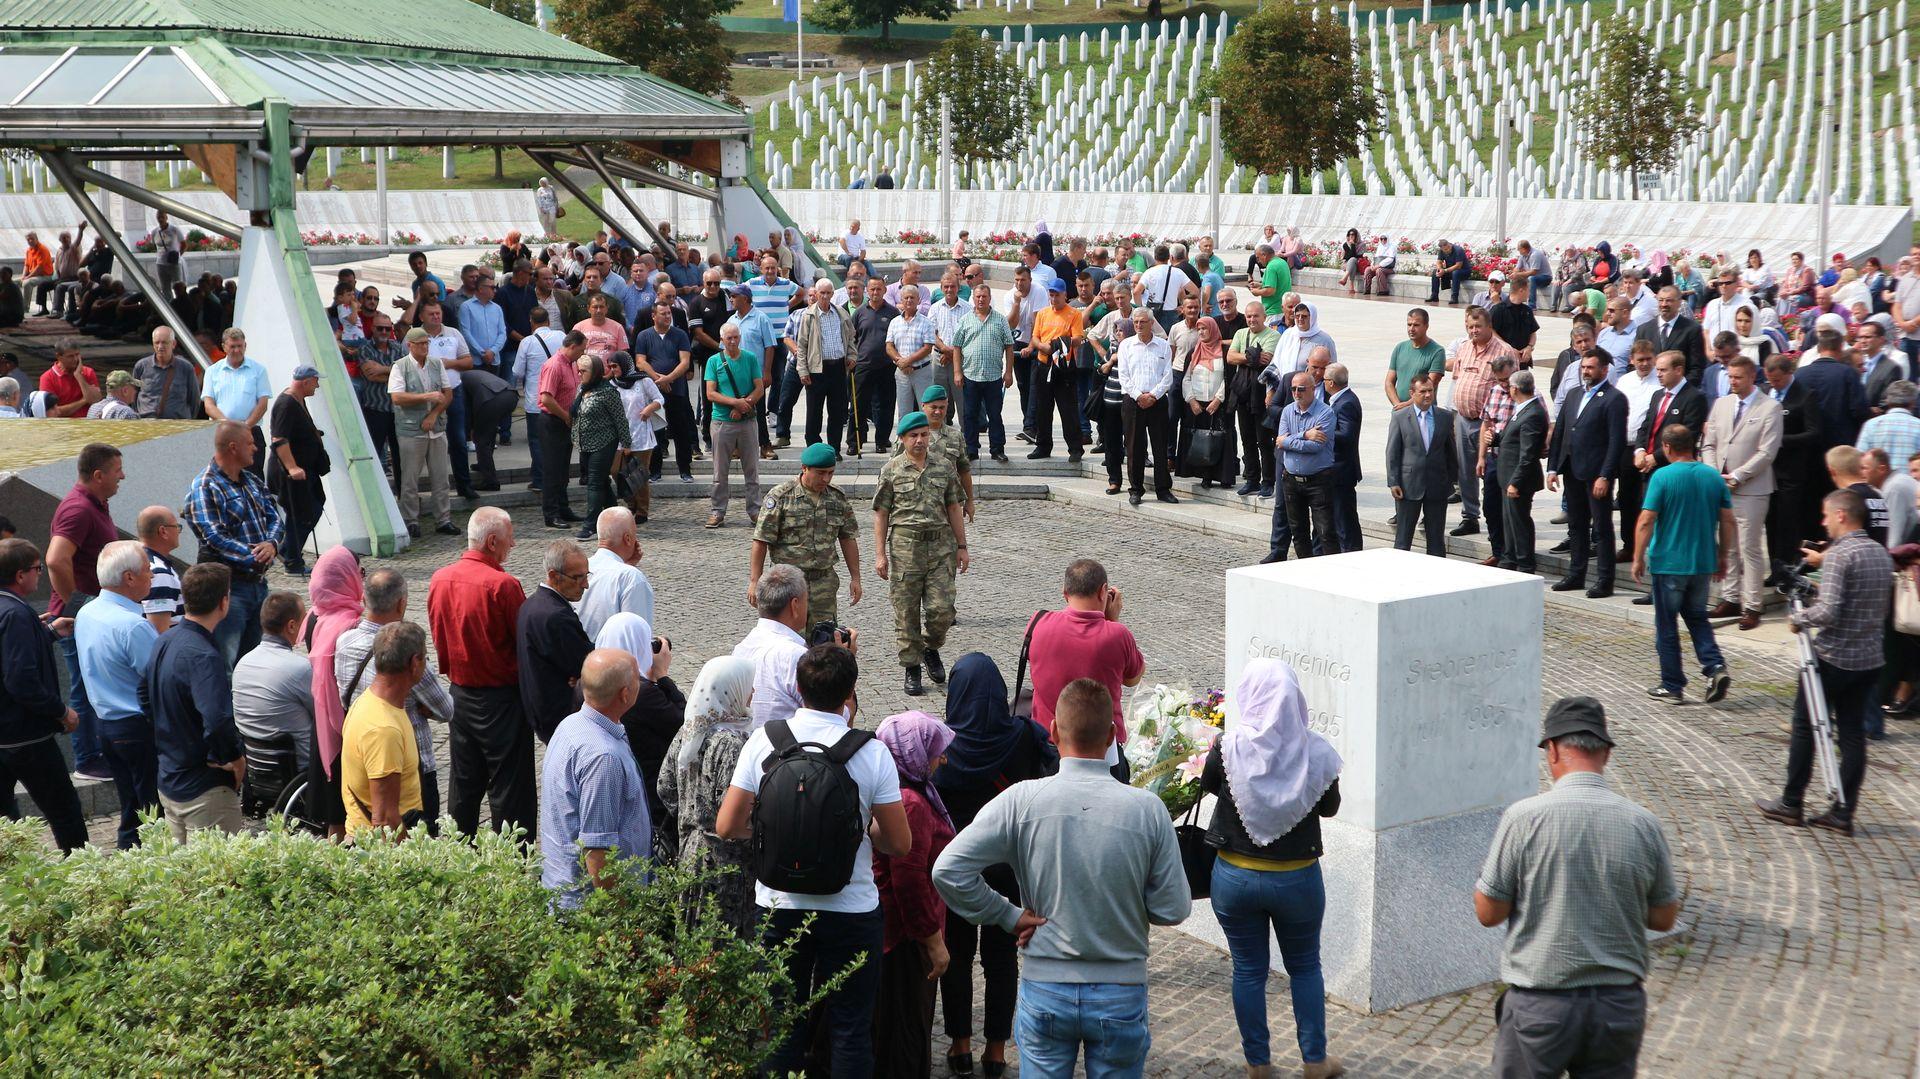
[115, 643]
[1896, 430]
[9, 398]
[386, 601]
[614, 580]
[777, 642]
[593, 803]
[551, 641]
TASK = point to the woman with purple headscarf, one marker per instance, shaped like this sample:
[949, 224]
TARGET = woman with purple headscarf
[1274, 779]
[915, 945]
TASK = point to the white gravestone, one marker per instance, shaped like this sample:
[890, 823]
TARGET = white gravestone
[1425, 675]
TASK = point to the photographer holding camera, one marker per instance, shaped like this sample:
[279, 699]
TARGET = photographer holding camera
[1855, 591]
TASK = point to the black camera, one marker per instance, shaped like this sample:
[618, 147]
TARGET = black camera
[1791, 579]
[827, 633]
[658, 642]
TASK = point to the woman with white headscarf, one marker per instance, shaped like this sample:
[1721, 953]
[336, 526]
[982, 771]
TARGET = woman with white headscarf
[698, 768]
[660, 709]
[1298, 338]
[1274, 779]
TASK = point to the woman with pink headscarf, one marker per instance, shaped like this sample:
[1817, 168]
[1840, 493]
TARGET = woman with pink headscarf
[337, 596]
[915, 943]
[1274, 779]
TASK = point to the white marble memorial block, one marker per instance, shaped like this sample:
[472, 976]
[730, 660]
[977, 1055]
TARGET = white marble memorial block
[1425, 674]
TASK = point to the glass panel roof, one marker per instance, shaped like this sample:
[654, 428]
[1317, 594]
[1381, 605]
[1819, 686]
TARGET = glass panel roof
[79, 77]
[19, 67]
[160, 78]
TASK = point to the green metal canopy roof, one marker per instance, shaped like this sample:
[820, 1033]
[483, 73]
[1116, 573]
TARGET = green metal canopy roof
[94, 72]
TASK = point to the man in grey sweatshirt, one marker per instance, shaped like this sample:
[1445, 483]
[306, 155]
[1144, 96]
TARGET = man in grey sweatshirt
[1097, 863]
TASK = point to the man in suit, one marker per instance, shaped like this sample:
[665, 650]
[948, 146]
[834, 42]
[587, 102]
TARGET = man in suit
[1880, 366]
[1672, 330]
[1423, 464]
[1588, 447]
[1517, 450]
[1836, 388]
[1346, 456]
[1800, 477]
[1674, 402]
[552, 643]
[1742, 440]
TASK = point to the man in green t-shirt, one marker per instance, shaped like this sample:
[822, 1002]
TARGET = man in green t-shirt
[1276, 277]
[734, 385]
[1417, 355]
[1685, 511]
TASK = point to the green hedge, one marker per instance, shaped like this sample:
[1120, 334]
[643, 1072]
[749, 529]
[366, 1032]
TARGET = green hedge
[275, 954]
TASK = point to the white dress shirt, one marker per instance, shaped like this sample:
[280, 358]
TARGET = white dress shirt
[1640, 392]
[612, 587]
[1717, 317]
[775, 651]
[1146, 366]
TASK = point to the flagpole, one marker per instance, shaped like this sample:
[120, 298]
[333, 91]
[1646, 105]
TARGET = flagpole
[799, 40]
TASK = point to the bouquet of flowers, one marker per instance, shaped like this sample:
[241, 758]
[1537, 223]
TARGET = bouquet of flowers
[1171, 731]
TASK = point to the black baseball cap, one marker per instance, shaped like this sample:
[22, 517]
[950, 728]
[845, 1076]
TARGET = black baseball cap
[1575, 715]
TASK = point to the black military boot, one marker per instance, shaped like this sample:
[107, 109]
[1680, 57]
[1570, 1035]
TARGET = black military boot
[936, 670]
[913, 687]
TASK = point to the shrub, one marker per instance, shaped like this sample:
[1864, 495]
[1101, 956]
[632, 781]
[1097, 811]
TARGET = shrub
[279, 954]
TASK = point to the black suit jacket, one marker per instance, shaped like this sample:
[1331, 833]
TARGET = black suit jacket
[1346, 437]
[1890, 369]
[552, 647]
[1802, 438]
[1589, 447]
[1839, 396]
[1518, 447]
[1687, 337]
[1689, 407]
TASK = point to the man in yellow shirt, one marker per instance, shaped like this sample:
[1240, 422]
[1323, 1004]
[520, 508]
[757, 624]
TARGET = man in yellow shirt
[379, 758]
[1058, 331]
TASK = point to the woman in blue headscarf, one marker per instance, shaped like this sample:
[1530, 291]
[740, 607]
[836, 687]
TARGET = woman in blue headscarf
[992, 749]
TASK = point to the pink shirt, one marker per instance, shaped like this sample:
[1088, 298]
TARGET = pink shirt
[1082, 644]
[605, 339]
[559, 377]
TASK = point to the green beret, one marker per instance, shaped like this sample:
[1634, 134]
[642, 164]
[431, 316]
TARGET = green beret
[818, 455]
[912, 421]
[934, 393]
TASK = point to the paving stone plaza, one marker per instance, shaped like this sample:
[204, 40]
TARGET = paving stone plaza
[1799, 953]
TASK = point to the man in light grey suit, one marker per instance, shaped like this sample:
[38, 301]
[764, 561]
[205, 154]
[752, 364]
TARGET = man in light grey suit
[1421, 468]
[1743, 436]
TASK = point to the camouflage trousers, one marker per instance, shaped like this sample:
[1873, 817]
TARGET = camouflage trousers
[921, 568]
[823, 595]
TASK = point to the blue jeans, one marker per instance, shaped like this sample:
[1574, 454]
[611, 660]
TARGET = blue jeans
[835, 942]
[239, 632]
[135, 764]
[87, 749]
[983, 402]
[1053, 1019]
[1247, 902]
[1537, 284]
[1684, 595]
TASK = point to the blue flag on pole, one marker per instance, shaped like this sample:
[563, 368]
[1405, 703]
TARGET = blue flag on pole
[790, 11]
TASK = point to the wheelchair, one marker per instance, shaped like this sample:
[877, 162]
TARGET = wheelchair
[276, 784]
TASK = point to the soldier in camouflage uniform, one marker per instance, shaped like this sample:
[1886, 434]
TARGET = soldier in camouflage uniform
[808, 522]
[920, 536]
[946, 441]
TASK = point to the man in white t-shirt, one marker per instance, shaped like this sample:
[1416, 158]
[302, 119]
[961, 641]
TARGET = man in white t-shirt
[853, 248]
[847, 930]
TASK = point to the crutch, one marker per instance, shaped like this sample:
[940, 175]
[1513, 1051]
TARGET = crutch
[1817, 714]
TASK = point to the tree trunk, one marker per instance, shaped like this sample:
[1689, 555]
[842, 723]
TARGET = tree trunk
[497, 173]
[886, 33]
[1154, 13]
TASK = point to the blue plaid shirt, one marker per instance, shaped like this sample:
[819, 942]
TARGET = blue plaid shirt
[231, 516]
[1897, 432]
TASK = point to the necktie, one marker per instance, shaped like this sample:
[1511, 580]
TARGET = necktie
[1426, 430]
[1666, 398]
[1739, 411]
[1666, 331]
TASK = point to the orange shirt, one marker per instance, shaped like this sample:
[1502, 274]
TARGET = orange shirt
[39, 261]
[1050, 324]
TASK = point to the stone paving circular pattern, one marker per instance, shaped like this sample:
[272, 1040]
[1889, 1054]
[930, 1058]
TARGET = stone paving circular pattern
[1799, 953]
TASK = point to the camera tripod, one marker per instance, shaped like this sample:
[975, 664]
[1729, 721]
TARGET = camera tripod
[1817, 714]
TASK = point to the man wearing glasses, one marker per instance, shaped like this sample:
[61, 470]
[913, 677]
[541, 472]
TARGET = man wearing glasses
[1717, 317]
[1306, 445]
[368, 372]
[159, 532]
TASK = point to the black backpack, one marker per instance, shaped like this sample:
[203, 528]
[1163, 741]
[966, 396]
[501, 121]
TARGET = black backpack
[807, 823]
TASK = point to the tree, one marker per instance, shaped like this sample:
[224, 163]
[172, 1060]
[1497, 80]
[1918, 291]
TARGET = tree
[991, 101]
[677, 40]
[846, 16]
[513, 9]
[1634, 113]
[1295, 96]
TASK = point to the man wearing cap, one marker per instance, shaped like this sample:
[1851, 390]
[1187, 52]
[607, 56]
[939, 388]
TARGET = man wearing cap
[945, 442]
[1578, 874]
[919, 538]
[122, 388]
[299, 461]
[417, 383]
[1058, 331]
[808, 522]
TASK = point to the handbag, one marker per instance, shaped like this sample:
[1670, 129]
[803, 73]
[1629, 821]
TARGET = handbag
[632, 477]
[1205, 447]
[1196, 855]
[1022, 704]
[1906, 603]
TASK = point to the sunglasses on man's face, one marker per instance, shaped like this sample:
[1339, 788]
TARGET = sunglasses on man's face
[1303, 389]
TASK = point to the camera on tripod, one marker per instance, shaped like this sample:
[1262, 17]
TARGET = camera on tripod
[1791, 580]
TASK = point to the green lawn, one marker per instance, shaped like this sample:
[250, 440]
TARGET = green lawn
[412, 168]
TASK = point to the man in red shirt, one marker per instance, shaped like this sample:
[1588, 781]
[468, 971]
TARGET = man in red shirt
[1087, 640]
[74, 387]
[472, 608]
[81, 527]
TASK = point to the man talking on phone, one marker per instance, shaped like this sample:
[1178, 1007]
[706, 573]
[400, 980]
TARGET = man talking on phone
[1085, 640]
